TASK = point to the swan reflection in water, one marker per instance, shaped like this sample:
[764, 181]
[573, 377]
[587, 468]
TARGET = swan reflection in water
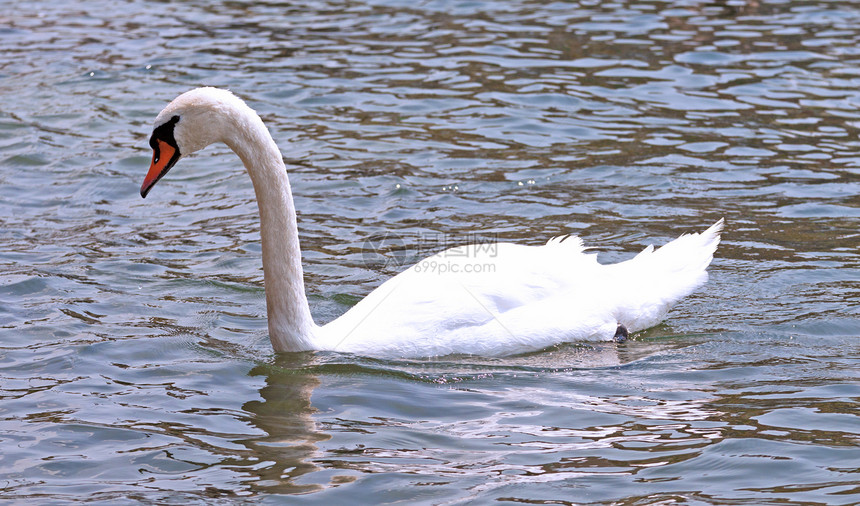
[288, 449]
[310, 445]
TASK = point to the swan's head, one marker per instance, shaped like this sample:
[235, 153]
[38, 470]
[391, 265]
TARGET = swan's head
[194, 120]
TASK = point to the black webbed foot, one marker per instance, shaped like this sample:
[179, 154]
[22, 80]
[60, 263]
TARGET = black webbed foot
[621, 334]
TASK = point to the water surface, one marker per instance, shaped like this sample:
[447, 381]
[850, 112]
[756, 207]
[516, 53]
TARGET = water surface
[134, 357]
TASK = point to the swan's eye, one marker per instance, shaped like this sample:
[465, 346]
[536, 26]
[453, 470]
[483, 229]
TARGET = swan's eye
[156, 154]
[163, 133]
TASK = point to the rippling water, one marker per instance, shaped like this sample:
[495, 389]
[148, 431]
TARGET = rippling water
[134, 357]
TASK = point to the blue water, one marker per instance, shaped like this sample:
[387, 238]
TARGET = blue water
[135, 364]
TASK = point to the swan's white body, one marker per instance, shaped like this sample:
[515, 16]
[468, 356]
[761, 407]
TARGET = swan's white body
[487, 299]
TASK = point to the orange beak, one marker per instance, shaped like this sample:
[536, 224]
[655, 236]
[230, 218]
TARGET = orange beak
[163, 159]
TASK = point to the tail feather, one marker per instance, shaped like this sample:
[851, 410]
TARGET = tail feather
[656, 279]
[693, 251]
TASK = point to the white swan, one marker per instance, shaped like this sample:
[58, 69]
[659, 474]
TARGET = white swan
[484, 299]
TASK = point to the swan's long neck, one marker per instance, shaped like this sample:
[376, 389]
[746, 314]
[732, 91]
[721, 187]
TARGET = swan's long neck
[291, 327]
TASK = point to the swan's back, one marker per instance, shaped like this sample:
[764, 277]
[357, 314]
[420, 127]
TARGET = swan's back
[507, 298]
